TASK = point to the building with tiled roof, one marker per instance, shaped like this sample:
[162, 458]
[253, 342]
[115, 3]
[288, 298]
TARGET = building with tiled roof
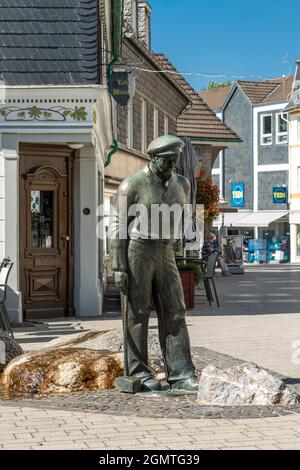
[198, 121]
[259, 165]
[55, 136]
[267, 91]
[215, 99]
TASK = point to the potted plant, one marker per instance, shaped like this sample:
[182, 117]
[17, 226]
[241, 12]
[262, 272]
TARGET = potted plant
[190, 274]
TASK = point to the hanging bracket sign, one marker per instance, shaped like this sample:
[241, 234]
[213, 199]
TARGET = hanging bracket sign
[121, 86]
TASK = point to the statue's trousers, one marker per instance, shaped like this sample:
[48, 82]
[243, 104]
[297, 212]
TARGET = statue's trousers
[153, 274]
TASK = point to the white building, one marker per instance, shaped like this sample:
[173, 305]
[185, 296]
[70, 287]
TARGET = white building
[294, 162]
[55, 134]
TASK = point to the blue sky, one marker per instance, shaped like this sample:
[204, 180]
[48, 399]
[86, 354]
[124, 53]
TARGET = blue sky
[230, 37]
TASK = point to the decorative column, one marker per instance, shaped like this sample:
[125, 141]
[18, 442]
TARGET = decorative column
[88, 295]
[9, 220]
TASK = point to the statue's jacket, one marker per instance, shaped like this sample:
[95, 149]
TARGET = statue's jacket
[134, 214]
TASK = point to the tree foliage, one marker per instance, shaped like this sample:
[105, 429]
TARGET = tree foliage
[212, 85]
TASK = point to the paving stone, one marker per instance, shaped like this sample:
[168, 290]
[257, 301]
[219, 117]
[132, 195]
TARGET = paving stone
[116, 403]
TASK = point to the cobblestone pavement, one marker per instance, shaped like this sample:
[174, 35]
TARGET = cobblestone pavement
[166, 404]
[258, 321]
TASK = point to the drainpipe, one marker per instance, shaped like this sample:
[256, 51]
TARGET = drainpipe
[117, 17]
[111, 153]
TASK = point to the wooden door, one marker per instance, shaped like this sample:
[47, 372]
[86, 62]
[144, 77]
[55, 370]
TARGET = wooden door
[46, 231]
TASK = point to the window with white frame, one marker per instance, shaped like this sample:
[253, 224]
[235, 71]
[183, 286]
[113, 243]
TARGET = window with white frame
[266, 129]
[166, 125]
[155, 122]
[130, 124]
[134, 15]
[144, 125]
[281, 128]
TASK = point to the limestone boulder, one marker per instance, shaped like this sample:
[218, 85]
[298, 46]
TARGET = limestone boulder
[245, 384]
[9, 349]
[64, 370]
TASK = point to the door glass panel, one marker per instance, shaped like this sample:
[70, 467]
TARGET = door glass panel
[42, 204]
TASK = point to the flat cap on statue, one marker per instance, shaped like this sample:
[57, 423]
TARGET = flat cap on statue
[165, 145]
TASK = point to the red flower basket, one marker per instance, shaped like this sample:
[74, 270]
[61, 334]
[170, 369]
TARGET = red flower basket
[208, 195]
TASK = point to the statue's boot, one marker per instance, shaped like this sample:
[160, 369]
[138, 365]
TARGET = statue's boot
[151, 385]
[188, 385]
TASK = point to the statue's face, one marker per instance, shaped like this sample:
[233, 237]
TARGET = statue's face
[165, 165]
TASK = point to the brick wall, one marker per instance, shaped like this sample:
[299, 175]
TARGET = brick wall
[207, 156]
[172, 126]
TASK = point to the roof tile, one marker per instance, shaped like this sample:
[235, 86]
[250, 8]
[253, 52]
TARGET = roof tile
[198, 120]
[276, 89]
[216, 98]
[48, 42]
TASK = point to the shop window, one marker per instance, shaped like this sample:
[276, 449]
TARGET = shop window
[281, 128]
[266, 129]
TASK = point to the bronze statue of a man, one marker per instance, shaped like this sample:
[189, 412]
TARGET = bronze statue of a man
[145, 269]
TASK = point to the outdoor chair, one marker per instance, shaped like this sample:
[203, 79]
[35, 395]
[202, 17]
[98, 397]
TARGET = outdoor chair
[5, 268]
[208, 278]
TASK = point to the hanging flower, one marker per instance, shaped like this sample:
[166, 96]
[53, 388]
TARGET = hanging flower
[208, 195]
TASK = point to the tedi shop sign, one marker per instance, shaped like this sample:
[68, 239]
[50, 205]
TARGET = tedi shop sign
[237, 195]
[279, 195]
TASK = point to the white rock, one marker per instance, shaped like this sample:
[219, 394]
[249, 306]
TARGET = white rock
[245, 384]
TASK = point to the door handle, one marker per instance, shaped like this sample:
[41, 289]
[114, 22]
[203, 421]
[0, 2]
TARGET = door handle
[65, 238]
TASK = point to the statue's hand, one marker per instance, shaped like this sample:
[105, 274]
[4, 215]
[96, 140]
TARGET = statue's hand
[121, 280]
[177, 246]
